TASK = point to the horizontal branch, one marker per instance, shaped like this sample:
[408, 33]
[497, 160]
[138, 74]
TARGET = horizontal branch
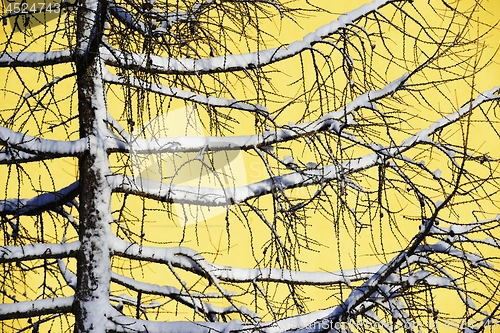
[124, 324]
[13, 156]
[228, 63]
[35, 59]
[192, 300]
[40, 203]
[228, 196]
[38, 251]
[190, 260]
[36, 308]
[39, 146]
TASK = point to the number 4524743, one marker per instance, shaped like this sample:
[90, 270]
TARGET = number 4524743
[25, 8]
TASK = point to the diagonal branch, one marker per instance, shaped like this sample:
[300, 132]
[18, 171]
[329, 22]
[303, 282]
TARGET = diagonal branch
[333, 121]
[228, 196]
[234, 195]
[122, 15]
[189, 299]
[182, 94]
[229, 63]
[40, 203]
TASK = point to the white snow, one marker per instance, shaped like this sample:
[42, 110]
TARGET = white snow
[39, 203]
[36, 251]
[124, 16]
[33, 59]
[32, 144]
[241, 61]
[185, 95]
[39, 307]
[191, 260]
[288, 160]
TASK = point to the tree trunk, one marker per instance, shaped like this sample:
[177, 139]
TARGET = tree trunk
[93, 268]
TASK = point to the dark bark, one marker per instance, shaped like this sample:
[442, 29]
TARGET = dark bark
[92, 294]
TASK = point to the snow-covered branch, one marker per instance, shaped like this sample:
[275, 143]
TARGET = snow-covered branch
[192, 261]
[9, 156]
[447, 248]
[227, 63]
[69, 277]
[124, 324]
[357, 301]
[125, 17]
[35, 59]
[333, 121]
[191, 300]
[369, 288]
[182, 94]
[228, 196]
[36, 308]
[38, 251]
[39, 146]
[234, 195]
[40, 203]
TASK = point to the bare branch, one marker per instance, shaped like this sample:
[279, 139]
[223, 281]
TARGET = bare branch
[230, 63]
[35, 59]
[39, 146]
[38, 251]
[40, 203]
[192, 261]
[36, 308]
[185, 95]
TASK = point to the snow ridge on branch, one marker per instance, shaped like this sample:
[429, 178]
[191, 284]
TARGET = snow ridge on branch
[38, 251]
[185, 95]
[234, 195]
[190, 260]
[36, 308]
[235, 62]
[332, 121]
[40, 203]
[35, 59]
[39, 146]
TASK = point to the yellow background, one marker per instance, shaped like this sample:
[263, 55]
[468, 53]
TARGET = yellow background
[210, 237]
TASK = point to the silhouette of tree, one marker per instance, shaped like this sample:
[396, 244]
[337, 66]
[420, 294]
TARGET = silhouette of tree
[374, 206]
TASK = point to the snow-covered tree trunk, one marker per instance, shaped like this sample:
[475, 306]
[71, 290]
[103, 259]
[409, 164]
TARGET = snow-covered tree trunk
[93, 268]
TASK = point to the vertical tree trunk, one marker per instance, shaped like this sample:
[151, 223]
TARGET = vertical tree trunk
[93, 268]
